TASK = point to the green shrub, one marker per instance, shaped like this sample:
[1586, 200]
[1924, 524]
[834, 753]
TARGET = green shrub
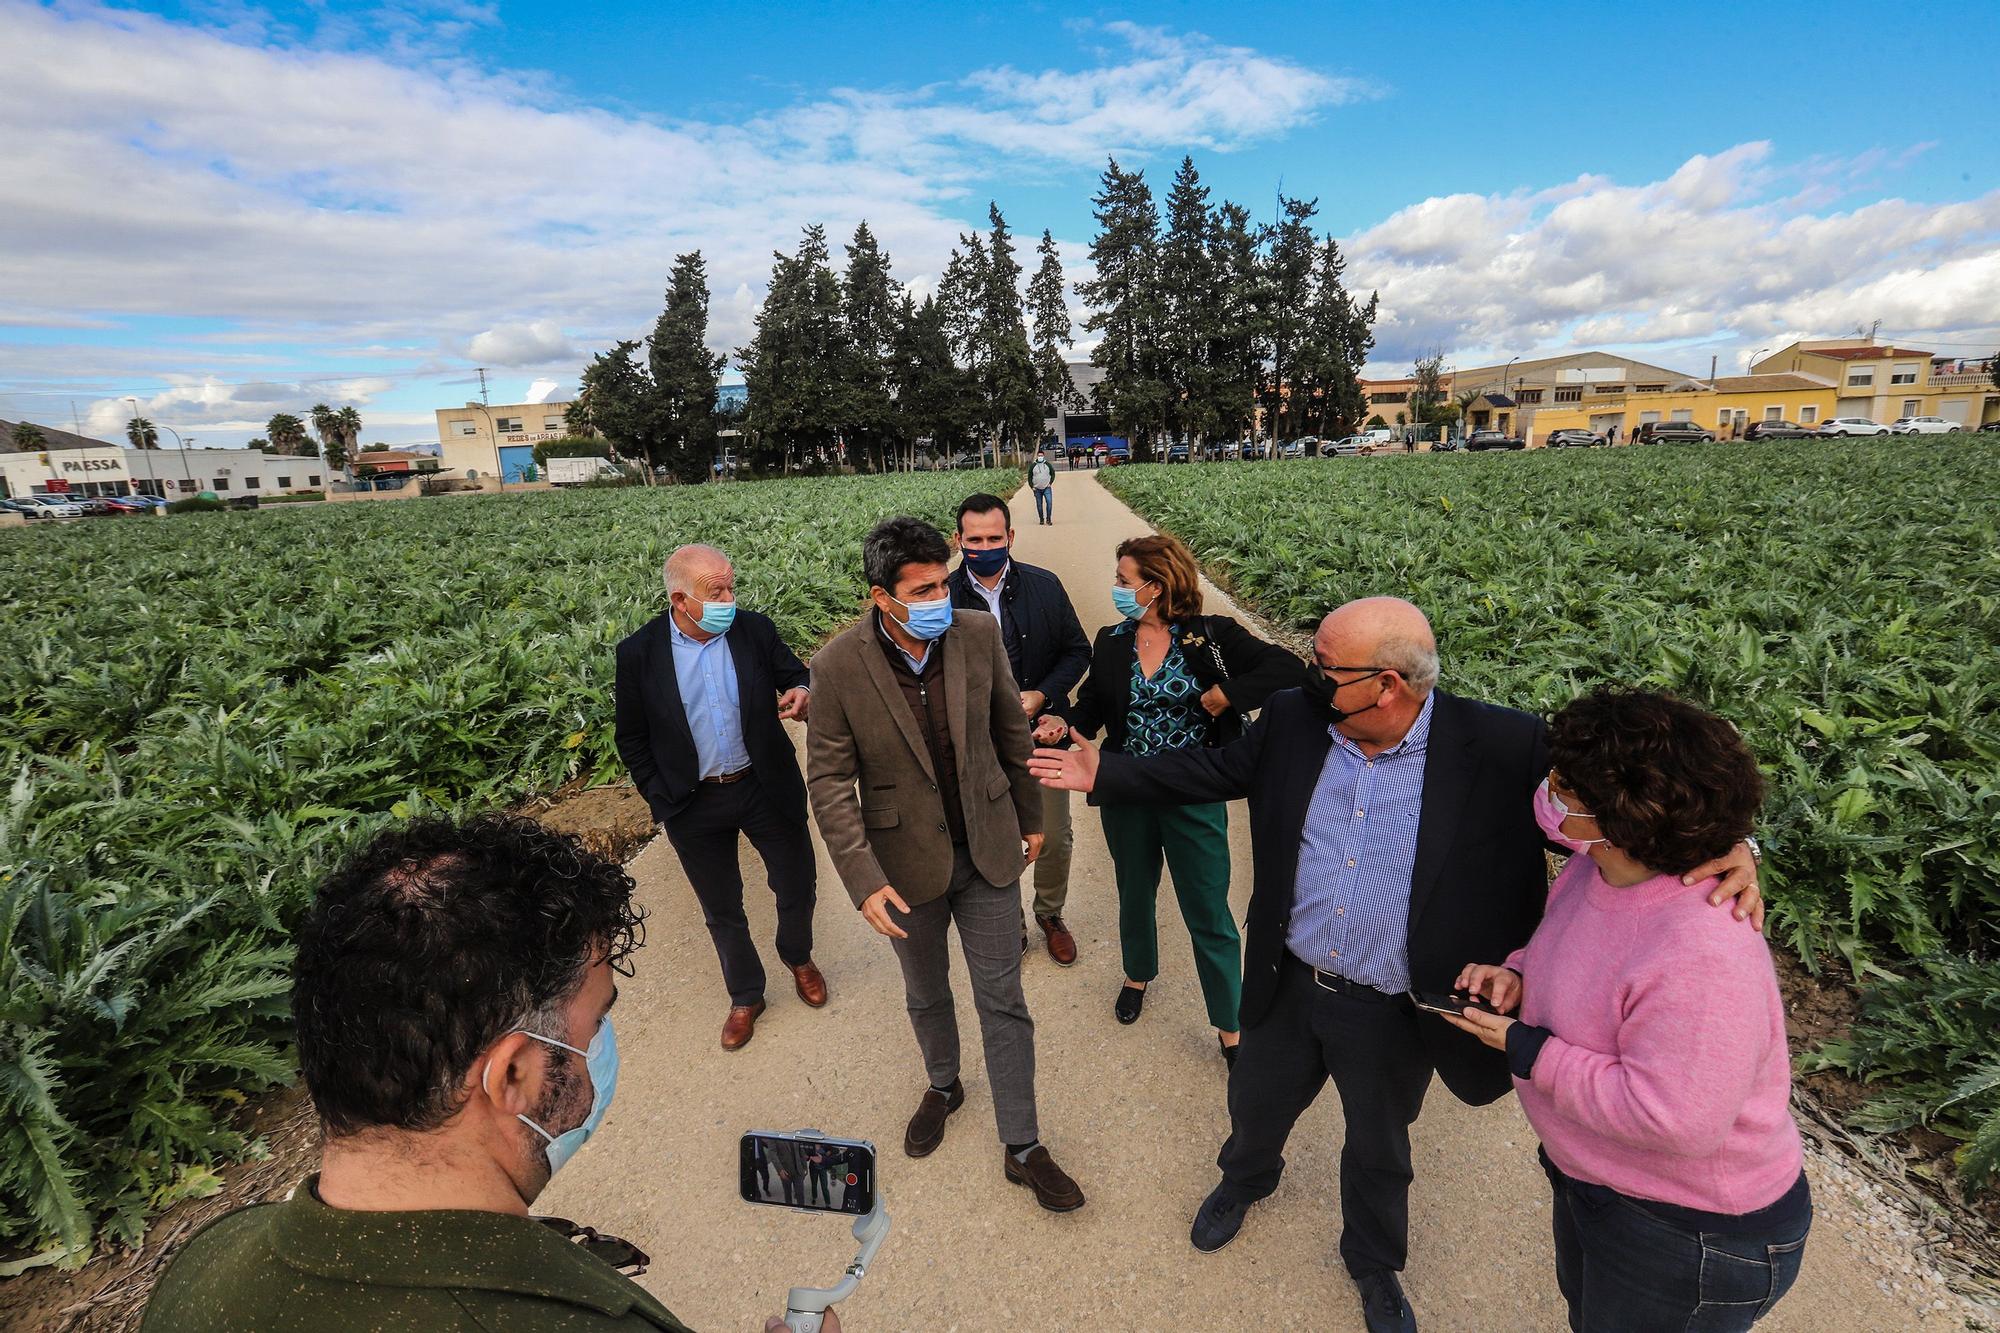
[197, 504]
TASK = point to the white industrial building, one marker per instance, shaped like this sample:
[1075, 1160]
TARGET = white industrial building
[79, 465]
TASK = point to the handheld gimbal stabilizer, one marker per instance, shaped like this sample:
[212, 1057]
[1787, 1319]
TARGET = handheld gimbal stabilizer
[805, 1308]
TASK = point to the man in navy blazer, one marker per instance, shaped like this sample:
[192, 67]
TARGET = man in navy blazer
[702, 694]
[1394, 841]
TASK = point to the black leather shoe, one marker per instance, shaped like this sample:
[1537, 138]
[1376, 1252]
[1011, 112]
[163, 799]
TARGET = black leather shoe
[1131, 999]
[1383, 1308]
[926, 1130]
[1218, 1220]
[1228, 1053]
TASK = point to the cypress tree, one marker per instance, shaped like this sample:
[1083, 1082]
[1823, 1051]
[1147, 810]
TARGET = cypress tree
[684, 373]
[1123, 295]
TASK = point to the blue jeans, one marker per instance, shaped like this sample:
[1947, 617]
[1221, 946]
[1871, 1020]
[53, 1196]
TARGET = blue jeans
[1623, 1269]
[1045, 503]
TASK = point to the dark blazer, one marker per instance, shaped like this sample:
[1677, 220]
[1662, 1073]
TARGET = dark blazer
[1257, 669]
[652, 728]
[1480, 881]
[1045, 644]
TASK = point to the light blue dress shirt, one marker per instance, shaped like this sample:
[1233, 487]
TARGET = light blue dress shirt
[713, 702]
[1351, 900]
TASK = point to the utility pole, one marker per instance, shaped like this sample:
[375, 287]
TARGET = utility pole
[482, 387]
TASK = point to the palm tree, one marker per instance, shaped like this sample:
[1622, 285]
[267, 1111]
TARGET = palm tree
[348, 421]
[326, 425]
[287, 435]
[28, 437]
[1465, 398]
[142, 433]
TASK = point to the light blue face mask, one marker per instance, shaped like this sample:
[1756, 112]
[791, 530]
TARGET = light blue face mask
[602, 1062]
[1126, 601]
[928, 620]
[717, 617]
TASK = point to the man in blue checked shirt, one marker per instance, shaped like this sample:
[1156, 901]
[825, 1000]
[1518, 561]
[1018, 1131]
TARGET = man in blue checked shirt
[1394, 838]
[702, 694]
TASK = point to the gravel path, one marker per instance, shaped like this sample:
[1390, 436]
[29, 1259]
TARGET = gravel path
[1134, 1113]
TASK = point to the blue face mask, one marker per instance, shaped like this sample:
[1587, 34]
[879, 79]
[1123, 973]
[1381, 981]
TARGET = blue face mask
[988, 562]
[717, 617]
[1126, 600]
[602, 1062]
[928, 620]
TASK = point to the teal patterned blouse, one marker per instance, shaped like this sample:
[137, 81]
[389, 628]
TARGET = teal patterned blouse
[1165, 711]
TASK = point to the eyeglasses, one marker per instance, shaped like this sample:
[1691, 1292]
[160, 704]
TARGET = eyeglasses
[1366, 671]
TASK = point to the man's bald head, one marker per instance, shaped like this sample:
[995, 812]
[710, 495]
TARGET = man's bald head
[1381, 632]
[689, 568]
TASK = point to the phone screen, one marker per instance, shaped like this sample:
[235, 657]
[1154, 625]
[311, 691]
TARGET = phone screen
[807, 1171]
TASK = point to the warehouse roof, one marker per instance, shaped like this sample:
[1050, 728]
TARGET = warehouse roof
[51, 439]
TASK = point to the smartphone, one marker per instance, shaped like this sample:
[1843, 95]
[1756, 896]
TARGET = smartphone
[1450, 1002]
[807, 1171]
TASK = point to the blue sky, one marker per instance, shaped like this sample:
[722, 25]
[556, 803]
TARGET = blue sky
[226, 209]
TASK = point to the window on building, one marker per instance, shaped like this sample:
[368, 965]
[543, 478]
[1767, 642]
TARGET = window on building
[1903, 375]
[1860, 379]
[1647, 418]
[219, 484]
[1808, 415]
[1774, 414]
[1912, 406]
[507, 424]
[1528, 397]
[1607, 388]
[1649, 388]
[1397, 396]
[1682, 414]
[313, 480]
[187, 486]
[284, 483]
[1570, 395]
[552, 423]
[468, 428]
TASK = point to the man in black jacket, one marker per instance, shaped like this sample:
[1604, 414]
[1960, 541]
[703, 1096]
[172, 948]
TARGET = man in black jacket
[1394, 841]
[702, 693]
[1048, 652]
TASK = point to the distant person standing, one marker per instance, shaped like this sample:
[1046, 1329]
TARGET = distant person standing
[701, 693]
[918, 754]
[1042, 481]
[1048, 652]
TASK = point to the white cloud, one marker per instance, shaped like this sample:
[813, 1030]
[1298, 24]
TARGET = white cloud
[537, 343]
[1725, 252]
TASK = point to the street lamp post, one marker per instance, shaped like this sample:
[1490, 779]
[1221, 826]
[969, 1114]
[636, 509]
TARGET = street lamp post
[499, 468]
[1504, 381]
[186, 470]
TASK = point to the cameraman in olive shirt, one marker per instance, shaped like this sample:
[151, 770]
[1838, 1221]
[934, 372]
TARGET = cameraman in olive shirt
[452, 996]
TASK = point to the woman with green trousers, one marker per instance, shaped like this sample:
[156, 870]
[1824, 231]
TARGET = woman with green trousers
[1166, 677]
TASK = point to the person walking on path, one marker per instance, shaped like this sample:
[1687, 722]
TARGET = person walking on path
[1167, 678]
[1048, 652]
[917, 756]
[701, 693]
[1650, 1052]
[1042, 481]
[1392, 842]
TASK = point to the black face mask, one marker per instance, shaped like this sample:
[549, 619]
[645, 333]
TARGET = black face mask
[1319, 692]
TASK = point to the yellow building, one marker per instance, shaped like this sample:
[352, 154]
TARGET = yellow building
[487, 440]
[1727, 406]
[1884, 383]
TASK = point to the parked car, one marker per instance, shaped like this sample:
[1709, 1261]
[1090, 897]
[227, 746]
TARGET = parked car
[1673, 432]
[1922, 426]
[1177, 453]
[45, 506]
[1991, 426]
[1350, 446]
[129, 504]
[1573, 439]
[1778, 430]
[1303, 447]
[1492, 439]
[1852, 426]
[97, 506]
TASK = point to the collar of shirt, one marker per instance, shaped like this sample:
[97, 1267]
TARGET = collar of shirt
[1415, 741]
[680, 635]
[447, 1248]
[991, 596]
[917, 662]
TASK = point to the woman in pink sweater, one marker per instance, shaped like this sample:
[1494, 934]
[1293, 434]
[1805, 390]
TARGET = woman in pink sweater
[1649, 1051]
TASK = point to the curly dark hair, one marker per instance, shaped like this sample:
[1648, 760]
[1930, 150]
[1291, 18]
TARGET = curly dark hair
[1672, 785]
[431, 942]
[895, 542]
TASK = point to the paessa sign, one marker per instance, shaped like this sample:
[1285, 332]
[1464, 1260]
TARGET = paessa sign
[93, 465]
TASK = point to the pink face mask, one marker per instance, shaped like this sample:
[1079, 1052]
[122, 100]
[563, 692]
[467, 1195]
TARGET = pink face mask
[1550, 812]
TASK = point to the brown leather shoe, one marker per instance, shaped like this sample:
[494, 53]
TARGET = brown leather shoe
[1062, 944]
[740, 1026]
[926, 1129]
[810, 984]
[1053, 1188]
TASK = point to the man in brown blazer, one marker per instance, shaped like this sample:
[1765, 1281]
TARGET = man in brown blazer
[917, 767]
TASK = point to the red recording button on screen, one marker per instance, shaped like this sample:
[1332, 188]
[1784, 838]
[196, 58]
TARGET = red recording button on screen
[851, 1179]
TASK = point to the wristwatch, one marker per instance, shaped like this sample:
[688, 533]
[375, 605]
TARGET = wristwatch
[1756, 851]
